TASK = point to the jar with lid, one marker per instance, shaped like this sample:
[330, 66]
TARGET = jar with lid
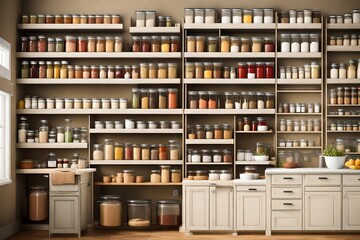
[174, 152]
[347, 95]
[139, 213]
[282, 125]
[168, 212]
[227, 131]
[229, 100]
[247, 124]
[214, 175]
[245, 45]
[225, 15]
[175, 44]
[237, 15]
[250, 169]
[268, 15]
[225, 175]
[339, 95]
[340, 144]
[43, 131]
[203, 99]
[165, 43]
[200, 132]
[258, 15]
[206, 156]
[193, 100]
[242, 70]
[315, 71]
[38, 203]
[109, 149]
[189, 15]
[295, 42]
[247, 16]
[209, 132]
[199, 15]
[300, 17]
[165, 173]
[110, 211]
[354, 96]
[34, 69]
[351, 69]
[199, 69]
[285, 42]
[256, 44]
[225, 44]
[163, 98]
[292, 14]
[269, 45]
[212, 44]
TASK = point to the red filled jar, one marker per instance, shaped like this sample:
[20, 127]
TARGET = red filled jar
[260, 70]
[119, 71]
[136, 44]
[34, 69]
[24, 44]
[269, 70]
[42, 43]
[82, 44]
[242, 70]
[253, 126]
[262, 124]
[162, 152]
[269, 45]
[146, 44]
[128, 151]
[251, 68]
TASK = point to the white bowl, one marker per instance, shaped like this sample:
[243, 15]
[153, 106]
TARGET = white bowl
[262, 128]
[246, 176]
[260, 158]
[335, 162]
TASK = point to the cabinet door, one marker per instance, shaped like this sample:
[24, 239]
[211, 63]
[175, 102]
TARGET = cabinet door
[250, 211]
[64, 214]
[197, 208]
[221, 208]
[351, 206]
[322, 211]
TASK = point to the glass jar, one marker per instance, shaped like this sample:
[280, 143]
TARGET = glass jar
[208, 70]
[256, 44]
[193, 100]
[200, 132]
[225, 15]
[168, 212]
[245, 45]
[212, 44]
[110, 211]
[150, 18]
[199, 15]
[285, 42]
[247, 16]
[225, 44]
[38, 203]
[139, 213]
[165, 43]
[258, 15]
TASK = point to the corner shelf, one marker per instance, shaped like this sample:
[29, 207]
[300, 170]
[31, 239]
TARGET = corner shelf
[115, 81]
[174, 29]
[98, 55]
[56, 27]
[209, 141]
[136, 162]
[137, 184]
[229, 81]
[235, 26]
[53, 145]
[229, 54]
[137, 131]
[101, 111]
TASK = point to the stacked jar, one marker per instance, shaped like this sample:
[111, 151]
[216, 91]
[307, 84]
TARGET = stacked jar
[137, 124]
[296, 125]
[148, 19]
[300, 42]
[209, 155]
[353, 17]
[344, 126]
[207, 131]
[129, 151]
[161, 98]
[343, 70]
[344, 96]
[345, 40]
[247, 124]
[299, 108]
[71, 19]
[244, 155]
[156, 44]
[303, 143]
[346, 112]
[308, 71]
[300, 16]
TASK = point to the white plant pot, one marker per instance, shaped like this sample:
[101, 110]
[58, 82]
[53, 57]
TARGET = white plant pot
[335, 162]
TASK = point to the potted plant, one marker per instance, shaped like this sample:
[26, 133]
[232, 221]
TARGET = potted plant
[334, 158]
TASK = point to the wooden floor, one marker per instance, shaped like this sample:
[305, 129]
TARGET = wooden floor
[113, 234]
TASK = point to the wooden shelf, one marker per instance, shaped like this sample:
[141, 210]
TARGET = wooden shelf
[53, 145]
[229, 81]
[343, 26]
[299, 114]
[98, 55]
[349, 153]
[343, 105]
[255, 132]
[357, 131]
[209, 141]
[50, 170]
[299, 26]
[245, 26]
[298, 91]
[330, 48]
[137, 184]
[137, 131]
[75, 27]
[298, 55]
[255, 163]
[101, 111]
[299, 132]
[343, 116]
[229, 111]
[209, 164]
[229, 54]
[175, 29]
[136, 162]
[316, 81]
[343, 81]
[98, 81]
[316, 147]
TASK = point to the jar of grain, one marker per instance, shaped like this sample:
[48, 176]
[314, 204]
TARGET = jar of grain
[162, 70]
[247, 16]
[129, 176]
[208, 70]
[225, 44]
[200, 44]
[98, 153]
[144, 93]
[118, 46]
[144, 70]
[152, 70]
[155, 44]
[155, 176]
[172, 98]
[175, 175]
[165, 174]
[190, 44]
[59, 45]
[227, 131]
[109, 44]
[70, 44]
[165, 44]
[174, 152]
[245, 45]
[109, 149]
[175, 44]
[163, 98]
[100, 44]
[256, 45]
[38, 203]
[193, 100]
[190, 70]
[136, 152]
[172, 70]
[110, 211]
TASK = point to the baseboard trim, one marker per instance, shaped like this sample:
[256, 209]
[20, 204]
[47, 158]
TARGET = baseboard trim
[9, 230]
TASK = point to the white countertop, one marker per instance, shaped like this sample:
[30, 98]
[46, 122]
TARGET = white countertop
[255, 182]
[208, 182]
[49, 170]
[310, 171]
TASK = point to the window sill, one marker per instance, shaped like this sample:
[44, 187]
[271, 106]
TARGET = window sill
[5, 182]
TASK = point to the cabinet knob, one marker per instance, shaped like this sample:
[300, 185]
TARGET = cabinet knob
[252, 189]
[287, 191]
[287, 178]
[322, 178]
[287, 204]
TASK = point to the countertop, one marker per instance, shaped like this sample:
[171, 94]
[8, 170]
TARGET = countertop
[236, 182]
[310, 171]
[49, 170]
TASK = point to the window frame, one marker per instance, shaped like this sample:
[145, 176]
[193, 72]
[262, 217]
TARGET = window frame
[5, 59]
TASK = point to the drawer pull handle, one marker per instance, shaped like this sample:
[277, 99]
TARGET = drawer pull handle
[287, 204]
[252, 189]
[288, 191]
[322, 178]
[287, 178]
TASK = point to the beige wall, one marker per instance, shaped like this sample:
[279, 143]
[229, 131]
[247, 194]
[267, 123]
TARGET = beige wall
[9, 14]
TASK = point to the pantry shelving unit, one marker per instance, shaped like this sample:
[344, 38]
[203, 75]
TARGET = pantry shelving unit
[226, 116]
[88, 81]
[340, 54]
[310, 90]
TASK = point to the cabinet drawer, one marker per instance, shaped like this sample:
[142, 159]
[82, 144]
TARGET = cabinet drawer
[286, 179]
[67, 187]
[286, 220]
[286, 193]
[322, 180]
[351, 180]
[250, 188]
[286, 204]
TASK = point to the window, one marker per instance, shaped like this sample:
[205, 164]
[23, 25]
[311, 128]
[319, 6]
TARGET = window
[5, 113]
[5, 157]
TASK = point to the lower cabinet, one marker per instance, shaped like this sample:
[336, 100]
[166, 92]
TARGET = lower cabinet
[208, 207]
[250, 208]
[351, 208]
[64, 214]
[323, 210]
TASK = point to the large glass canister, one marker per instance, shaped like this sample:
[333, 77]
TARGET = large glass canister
[110, 211]
[38, 203]
[139, 213]
[168, 212]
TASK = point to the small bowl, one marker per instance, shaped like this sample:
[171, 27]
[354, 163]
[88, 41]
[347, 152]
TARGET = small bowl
[246, 176]
[261, 158]
[262, 128]
[107, 179]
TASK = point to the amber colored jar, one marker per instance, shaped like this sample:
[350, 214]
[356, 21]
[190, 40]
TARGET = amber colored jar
[99, 19]
[100, 44]
[94, 71]
[82, 44]
[128, 151]
[91, 44]
[218, 132]
[115, 19]
[67, 19]
[163, 152]
[49, 18]
[78, 71]
[175, 44]
[42, 43]
[59, 19]
[172, 98]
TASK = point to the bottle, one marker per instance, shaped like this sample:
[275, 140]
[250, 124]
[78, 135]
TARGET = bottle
[68, 131]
